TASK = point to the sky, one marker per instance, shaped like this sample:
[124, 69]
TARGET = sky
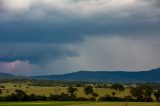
[42, 37]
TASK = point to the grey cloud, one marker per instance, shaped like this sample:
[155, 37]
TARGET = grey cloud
[156, 3]
[1, 5]
[58, 26]
[34, 53]
[38, 32]
[73, 31]
[116, 53]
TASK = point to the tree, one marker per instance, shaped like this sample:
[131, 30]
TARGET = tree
[118, 87]
[1, 86]
[15, 86]
[142, 93]
[147, 92]
[20, 94]
[7, 91]
[71, 90]
[136, 93]
[113, 94]
[95, 94]
[157, 95]
[88, 90]
[1, 92]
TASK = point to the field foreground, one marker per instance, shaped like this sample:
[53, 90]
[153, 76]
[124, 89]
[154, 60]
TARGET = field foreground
[75, 104]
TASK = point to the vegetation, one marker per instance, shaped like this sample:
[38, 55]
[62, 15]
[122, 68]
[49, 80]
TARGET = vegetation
[88, 90]
[71, 91]
[142, 93]
[157, 95]
[35, 90]
[0, 91]
[118, 87]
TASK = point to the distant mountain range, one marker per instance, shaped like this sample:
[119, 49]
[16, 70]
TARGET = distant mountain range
[101, 76]
[106, 76]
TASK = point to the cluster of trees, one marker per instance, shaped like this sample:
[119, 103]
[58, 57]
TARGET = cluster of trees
[44, 82]
[157, 95]
[140, 93]
[88, 90]
[114, 98]
[21, 95]
[118, 87]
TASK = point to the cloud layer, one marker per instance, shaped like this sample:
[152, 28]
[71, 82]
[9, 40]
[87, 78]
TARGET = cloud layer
[34, 53]
[60, 21]
[51, 32]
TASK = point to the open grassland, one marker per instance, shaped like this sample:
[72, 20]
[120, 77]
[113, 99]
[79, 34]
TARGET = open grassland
[76, 104]
[40, 90]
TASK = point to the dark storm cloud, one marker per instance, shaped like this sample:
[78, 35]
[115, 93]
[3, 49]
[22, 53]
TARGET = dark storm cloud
[73, 31]
[39, 32]
[57, 26]
[34, 53]
[69, 22]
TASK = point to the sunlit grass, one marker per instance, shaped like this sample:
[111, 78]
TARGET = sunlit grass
[39, 90]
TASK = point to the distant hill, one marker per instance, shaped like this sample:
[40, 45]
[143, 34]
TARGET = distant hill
[6, 75]
[99, 76]
[106, 76]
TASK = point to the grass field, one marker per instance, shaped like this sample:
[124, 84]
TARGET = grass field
[39, 90]
[75, 104]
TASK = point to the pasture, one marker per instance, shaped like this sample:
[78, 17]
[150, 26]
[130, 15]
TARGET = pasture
[41, 90]
[76, 104]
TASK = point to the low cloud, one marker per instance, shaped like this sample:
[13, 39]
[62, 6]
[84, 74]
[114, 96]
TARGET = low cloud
[34, 53]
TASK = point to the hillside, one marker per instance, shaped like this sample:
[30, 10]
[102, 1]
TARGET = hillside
[105, 76]
[100, 76]
[6, 75]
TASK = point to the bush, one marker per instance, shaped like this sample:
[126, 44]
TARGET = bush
[110, 98]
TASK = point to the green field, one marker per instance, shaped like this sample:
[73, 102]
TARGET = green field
[75, 104]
